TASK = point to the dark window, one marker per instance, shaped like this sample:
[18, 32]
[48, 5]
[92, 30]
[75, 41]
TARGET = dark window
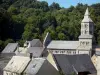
[86, 25]
[87, 43]
[86, 32]
[90, 32]
[56, 51]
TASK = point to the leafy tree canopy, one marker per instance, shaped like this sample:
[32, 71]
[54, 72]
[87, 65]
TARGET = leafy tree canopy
[21, 20]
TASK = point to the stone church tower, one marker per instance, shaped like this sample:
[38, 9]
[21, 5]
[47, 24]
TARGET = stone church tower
[86, 37]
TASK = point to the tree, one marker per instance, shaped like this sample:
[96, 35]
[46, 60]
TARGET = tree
[61, 36]
[27, 19]
[8, 41]
[12, 10]
[54, 6]
[1, 45]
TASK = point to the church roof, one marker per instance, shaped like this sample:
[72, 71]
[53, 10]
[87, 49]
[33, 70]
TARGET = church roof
[74, 63]
[55, 44]
[86, 17]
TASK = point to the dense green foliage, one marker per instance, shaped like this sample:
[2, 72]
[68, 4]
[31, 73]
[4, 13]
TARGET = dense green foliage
[27, 19]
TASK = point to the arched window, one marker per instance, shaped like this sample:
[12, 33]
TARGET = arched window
[86, 26]
[86, 32]
[87, 43]
[83, 43]
[74, 52]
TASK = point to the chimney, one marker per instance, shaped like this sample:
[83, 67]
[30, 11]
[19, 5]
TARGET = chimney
[31, 54]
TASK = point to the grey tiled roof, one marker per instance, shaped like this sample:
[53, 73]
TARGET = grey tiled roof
[40, 66]
[36, 43]
[10, 48]
[4, 59]
[63, 44]
[47, 40]
[34, 66]
[74, 63]
[36, 51]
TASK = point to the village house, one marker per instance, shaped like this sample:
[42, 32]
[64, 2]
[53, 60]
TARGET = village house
[35, 47]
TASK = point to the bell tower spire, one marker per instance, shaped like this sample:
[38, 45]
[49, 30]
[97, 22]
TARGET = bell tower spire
[87, 12]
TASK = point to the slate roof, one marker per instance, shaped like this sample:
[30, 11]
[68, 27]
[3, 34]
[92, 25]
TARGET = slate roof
[36, 51]
[55, 44]
[40, 66]
[74, 63]
[47, 40]
[17, 64]
[35, 43]
[34, 66]
[4, 59]
[10, 48]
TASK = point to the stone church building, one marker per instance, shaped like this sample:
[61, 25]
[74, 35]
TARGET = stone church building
[83, 46]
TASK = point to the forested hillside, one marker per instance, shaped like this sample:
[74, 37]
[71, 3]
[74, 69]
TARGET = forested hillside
[21, 20]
